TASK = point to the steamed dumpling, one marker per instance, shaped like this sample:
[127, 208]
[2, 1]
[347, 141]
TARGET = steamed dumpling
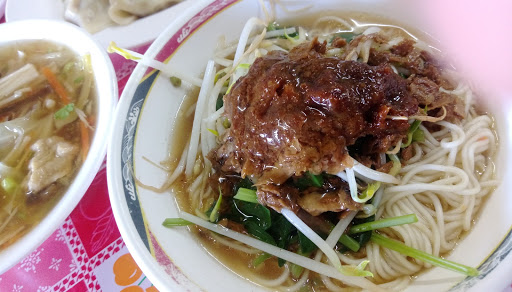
[89, 14]
[126, 11]
[96, 15]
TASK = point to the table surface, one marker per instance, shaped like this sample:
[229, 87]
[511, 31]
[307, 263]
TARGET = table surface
[86, 253]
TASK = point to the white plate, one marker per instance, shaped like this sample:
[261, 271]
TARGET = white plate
[139, 32]
[172, 258]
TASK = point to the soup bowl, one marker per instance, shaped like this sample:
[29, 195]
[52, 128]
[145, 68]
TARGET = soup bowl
[79, 43]
[174, 259]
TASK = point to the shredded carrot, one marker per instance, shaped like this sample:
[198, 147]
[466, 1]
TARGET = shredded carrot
[56, 85]
[91, 120]
[84, 133]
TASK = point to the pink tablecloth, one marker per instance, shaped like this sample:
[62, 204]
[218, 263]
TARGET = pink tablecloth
[86, 253]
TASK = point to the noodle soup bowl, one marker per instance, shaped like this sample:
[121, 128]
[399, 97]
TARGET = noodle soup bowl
[79, 43]
[143, 134]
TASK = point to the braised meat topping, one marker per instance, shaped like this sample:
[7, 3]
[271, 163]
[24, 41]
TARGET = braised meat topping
[300, 111]
[297, 112]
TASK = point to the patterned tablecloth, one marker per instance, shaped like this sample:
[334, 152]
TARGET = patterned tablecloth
[86, 253]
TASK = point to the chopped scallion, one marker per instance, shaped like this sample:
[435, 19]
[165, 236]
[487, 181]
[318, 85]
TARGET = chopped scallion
[64, 111]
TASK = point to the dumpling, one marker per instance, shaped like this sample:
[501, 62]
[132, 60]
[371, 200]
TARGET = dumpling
[92, 15]
[126, 11]
[96, 15]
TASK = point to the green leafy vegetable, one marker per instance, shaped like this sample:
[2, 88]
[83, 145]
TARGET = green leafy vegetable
[348, 36]
[220, 102]
[306, 246]
[64, 112]
[309, 180]
[254, 212]
[422, 256]
[246, 195]
[259, 232]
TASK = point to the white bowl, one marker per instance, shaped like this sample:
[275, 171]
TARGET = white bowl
[106, 85]
[172, 258]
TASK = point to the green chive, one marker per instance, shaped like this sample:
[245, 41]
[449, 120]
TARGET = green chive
[422, 256]
[171, 222]
[349, 242]
[383, 223]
